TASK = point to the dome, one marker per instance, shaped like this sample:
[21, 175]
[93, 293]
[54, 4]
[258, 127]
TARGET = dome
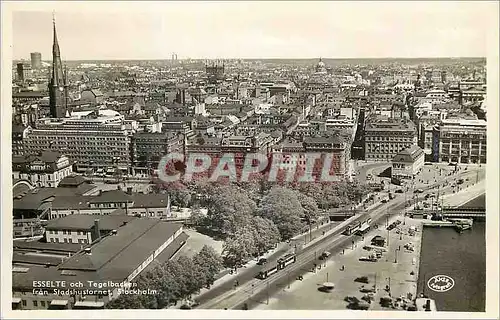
[321, 64]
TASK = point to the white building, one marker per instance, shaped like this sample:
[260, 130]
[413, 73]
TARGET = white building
[45, 169]
[407, 163]
[95, 139]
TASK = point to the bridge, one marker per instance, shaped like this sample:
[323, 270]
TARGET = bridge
[451, 212]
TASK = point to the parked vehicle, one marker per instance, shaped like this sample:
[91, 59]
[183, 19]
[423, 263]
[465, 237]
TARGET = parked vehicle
[282, 263]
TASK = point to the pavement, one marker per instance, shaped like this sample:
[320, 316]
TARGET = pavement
[226, 282]
[342, 269]
[465, 194]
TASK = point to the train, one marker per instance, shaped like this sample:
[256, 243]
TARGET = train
[282, 264]
[356, 226]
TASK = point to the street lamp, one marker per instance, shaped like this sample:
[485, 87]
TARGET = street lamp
[396, 255]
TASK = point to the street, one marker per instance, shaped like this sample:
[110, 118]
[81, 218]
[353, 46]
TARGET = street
[251, 289]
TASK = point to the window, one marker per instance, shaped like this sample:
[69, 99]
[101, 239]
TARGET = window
[35, 303]
[24, 303]
[42, 303]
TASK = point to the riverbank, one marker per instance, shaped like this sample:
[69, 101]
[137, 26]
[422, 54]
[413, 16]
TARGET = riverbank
[461, 256]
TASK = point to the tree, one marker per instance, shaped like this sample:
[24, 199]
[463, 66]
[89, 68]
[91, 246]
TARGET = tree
[283, 207]
[125, 301]
[239, 248]
[266, 234]
[209, 263]
[311, 211]
[229, 210]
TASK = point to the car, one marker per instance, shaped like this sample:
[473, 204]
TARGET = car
[419, 191]
[399, 191]
[262, 261]
[324, 255]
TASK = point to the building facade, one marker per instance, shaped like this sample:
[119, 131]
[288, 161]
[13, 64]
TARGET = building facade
[98, 140]
[460, 141]
[45, 169]
[384, 138]
[149, 148]
[407, 163]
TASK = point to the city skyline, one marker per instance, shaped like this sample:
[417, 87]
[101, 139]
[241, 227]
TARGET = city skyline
[326, 30]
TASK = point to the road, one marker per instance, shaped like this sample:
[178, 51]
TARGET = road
[251, 290]
[247, 274]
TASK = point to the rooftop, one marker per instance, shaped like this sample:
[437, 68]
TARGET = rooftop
[86, 222]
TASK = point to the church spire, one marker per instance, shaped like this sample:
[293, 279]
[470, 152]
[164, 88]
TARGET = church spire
[58, 84]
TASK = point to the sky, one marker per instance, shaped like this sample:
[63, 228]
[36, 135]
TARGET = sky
[208, 30]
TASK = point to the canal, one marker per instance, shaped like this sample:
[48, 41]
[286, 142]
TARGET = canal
[461, 256]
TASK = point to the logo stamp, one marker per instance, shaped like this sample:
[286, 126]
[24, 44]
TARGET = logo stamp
[441, 283]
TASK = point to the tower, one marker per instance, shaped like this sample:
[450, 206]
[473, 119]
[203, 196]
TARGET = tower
[58, 86]
[36, 60]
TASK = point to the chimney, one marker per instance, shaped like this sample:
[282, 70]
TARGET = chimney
[97, 230]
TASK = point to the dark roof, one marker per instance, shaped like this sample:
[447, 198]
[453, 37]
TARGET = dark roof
[71, 202]
[72, 181]
[409, 155]
[20, 189]
[118, 255]
[35, 259]
[34, 198]
[150, 200]
[38, 245]
[30, 94]
[18, 128]
[45, 156]
[326, 140]
[111, 271]
[112, 196]
[86, 222]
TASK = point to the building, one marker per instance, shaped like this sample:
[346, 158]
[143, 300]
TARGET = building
[384, 138]
[460, 141]
[149, 148]
[238, 146]
[97, 140]
[337, 147]
[19, 133]
[407, 163]
[294, 156]
[31, 202]
[46, 169]
[215, 71]
[23, 71]
[116, 257]
[107, 202]
[83, 229]
[92, 96]
[36, 60]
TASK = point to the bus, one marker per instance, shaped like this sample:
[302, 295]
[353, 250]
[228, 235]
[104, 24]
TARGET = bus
[282, 263]
[266, 273]
[352, 228]
[286, 260]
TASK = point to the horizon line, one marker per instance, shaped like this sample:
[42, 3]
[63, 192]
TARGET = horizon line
[284, 58]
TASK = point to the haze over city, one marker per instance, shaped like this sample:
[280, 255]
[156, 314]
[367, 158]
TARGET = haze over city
[256, 30]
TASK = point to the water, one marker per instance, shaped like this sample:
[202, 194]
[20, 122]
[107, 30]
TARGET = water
[460, 256]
